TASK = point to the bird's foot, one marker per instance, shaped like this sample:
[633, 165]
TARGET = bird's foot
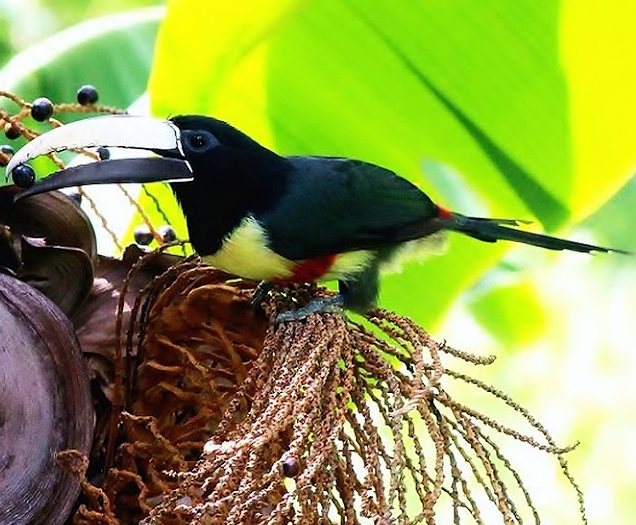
[333, 304]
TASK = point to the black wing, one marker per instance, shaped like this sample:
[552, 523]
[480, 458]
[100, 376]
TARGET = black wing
[336, 205]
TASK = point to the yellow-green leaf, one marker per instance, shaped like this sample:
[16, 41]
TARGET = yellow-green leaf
[486, 93]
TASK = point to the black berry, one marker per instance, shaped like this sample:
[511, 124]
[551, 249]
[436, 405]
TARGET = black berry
[76, 196]
[23, 176]
[87, 95]
[291, 468]
[167, 233]
[6, 149]
[104, 153]
[143, 235]
[13, 132]
[6, 153]
[41, 109]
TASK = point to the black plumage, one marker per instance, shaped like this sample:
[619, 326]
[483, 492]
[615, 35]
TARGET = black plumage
[305, 213]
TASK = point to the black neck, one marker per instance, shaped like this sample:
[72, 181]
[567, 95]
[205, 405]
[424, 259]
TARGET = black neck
[225, 190]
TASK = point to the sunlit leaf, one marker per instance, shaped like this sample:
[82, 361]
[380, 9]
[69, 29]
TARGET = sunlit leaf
[94, 52]
[476, 89]
[513, 311]
[114, 53]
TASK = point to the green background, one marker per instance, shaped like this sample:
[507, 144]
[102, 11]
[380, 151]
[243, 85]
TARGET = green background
[514, 109]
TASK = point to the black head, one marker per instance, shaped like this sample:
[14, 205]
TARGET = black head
[218, 174]
[206, 141]
[233, 176]
[190, 148]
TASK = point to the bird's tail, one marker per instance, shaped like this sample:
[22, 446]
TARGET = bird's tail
[492, 230]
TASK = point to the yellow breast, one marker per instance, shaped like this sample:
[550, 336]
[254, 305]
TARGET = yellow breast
[245, 253]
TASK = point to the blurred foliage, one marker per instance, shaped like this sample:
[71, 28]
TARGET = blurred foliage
[24, 23]
[46, 55]
[485, 105]
[488, 106]
[504, 131]
[70, 12]
[94, 52]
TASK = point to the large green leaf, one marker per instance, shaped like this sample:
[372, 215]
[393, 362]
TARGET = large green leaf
[480, 103]
[71, 11]
[113, 52]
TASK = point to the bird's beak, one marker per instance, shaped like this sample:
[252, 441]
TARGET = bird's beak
[113, 131]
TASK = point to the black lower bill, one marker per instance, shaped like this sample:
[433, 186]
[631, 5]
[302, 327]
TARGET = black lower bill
[138, 170]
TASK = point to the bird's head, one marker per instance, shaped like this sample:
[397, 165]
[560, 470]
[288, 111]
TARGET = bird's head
[203, 153]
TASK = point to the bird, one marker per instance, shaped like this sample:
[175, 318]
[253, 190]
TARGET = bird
[272, 218]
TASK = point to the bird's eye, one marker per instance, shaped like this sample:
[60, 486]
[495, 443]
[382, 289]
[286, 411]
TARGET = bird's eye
[198, 141]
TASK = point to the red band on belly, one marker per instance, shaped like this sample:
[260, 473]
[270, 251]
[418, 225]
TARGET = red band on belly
[311, 270]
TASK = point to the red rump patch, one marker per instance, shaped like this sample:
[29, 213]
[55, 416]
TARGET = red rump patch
[311, 270]
[444, 213]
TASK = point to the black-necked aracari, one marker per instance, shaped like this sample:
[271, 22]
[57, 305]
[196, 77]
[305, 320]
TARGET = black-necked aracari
[267, 217]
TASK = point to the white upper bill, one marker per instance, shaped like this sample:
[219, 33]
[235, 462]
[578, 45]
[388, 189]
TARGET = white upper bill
[122, 131]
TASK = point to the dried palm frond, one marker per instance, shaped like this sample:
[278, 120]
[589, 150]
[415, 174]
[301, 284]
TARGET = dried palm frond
[327, 420]
[209, 412]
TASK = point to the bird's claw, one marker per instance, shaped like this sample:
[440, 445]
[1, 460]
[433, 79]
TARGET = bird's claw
[333, 304]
